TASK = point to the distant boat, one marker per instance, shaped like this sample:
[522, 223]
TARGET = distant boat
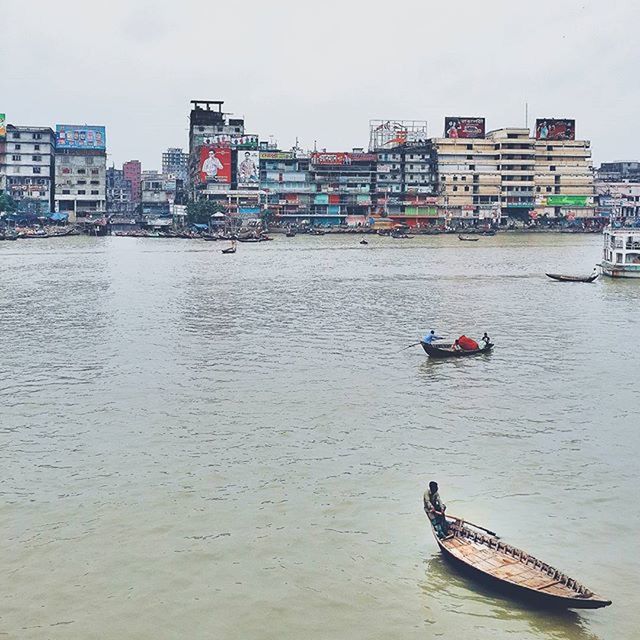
[291, 233]
[363, 241]
[562, 278]
[446, 351]
[231, 249]
[467, 238]
[486, 558]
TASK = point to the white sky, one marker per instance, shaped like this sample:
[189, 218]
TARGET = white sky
[320, 70]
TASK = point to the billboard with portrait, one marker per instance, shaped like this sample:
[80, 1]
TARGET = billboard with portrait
[248, 168]
[3, 126]
[214, 164]
[555, 129]
[457, 127]
[71, 136]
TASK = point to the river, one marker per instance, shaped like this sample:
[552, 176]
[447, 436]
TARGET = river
[197, 445]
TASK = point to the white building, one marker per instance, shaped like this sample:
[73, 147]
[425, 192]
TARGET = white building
[27, 167]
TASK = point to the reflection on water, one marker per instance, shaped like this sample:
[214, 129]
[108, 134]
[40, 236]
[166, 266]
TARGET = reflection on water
[195, 443]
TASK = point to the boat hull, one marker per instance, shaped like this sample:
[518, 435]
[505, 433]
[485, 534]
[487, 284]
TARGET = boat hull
[562, 278]
[620, 271]
[442, 353]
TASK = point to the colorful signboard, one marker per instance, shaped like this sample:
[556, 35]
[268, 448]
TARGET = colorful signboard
[567, 201]
[3, 126]
[71, 136]
[215, 164]
[341, 158]
[232, 140]
[248, 168]
[457, 127]
[276, 155]
[555, 129]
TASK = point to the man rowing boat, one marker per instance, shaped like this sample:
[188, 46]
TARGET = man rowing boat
[435, 509]
[430, 337]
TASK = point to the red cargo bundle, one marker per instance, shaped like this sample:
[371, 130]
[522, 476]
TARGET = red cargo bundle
[467, 343]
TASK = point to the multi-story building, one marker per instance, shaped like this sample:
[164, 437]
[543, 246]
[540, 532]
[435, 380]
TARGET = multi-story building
[469, 180]
[619, 171]
[284, 177]
[80, 174]
[119, 196]
[132, 171]
[343, 185]
[159, 194]
[27, 161]
[618, 200]
[176, 163]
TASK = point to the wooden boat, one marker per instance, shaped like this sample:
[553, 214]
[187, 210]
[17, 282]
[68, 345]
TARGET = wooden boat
[487, 558]
[290, 234]
[562, 278]
[363, 241]
[445, 350]
[467, 239]
[229, 250]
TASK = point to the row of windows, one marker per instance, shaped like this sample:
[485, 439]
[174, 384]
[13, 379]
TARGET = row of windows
[81, 192]
[94, 172]
[17, 136]
[18, 147]
[18, 158]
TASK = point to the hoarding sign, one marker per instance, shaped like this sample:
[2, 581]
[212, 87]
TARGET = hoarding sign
[71, 136]
[232, 140]
[248, 171]
[555, 129]
[567, 201]
[3, 126]
[341, 158]
[457, 127]
[276, 155]
[215, 164]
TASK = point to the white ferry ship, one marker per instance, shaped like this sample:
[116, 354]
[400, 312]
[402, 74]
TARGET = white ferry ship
[621, 255]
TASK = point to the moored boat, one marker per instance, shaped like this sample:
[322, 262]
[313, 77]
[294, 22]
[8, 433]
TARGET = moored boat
[446, 351]
[467, 239]
[486, 558]
[621, 252]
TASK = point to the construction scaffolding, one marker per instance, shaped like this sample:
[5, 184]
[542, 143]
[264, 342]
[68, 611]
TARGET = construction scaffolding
[387, 134]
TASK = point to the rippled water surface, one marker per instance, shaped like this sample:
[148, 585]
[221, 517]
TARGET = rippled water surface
[203, 446]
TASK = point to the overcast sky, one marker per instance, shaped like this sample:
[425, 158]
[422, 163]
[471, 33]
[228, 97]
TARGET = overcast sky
[320, 70]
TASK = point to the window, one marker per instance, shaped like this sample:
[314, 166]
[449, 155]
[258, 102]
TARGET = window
[36, 169]
[65, 192]
[95, 172]
[95, 182]
[36, 147]
[548, 189]
[36, 158]
[466, 188]
[455, 178]
[37, 136]
[95, 193]
[552, 168]
[82, 182]
[81, 192]
[16, 136]
[16, 158]
[17, 147]
[455, 188]
[82, 171]
[89, 160]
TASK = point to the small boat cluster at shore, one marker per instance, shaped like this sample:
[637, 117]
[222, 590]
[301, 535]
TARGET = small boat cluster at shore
[31, 233]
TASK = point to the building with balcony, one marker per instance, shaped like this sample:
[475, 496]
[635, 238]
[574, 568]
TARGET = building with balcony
[119, 196]
[176, 163]
[618, 200]
[27, 165]
[132, 171]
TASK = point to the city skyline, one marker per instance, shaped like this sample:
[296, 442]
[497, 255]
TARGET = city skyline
[319, 76]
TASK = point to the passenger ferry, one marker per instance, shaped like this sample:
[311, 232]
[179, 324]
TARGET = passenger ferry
[621, 255]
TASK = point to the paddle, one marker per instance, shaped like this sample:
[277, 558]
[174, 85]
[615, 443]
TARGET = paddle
[415, 344]
[477, 526]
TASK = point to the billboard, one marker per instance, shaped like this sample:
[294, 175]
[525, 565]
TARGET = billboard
[276, 155]
[214, 164]
[71, 136]
[233, 140]
[248, 168]
[3, 126]
[567, 201]
[457, 127]
[555, 129]
[341, 158]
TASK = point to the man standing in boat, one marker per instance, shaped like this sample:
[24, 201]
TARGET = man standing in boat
[430, 337]
[435, 509]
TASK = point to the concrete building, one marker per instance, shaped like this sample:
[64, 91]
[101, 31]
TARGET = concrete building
[160, 192]
[619, 200]
[342, 186]
[80, 171]
[132, 171]
[27, 162]
[119, 196]
[469, 181]
[176, 163]
[619, 172]
[284, 177]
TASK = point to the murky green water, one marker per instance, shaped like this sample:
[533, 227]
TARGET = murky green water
[203, 446]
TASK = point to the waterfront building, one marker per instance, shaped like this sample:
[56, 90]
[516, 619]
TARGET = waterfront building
[119, 196]
[618, 200]
[619, 172]
[284, 178]
[342, 187]
[27, 162]
[132, 171]
[176, 163]
[621, 252]
[80, 171]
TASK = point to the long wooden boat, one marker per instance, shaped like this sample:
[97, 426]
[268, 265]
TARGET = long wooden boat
[490, 560]
[446, 350]
[229, 250]
[562, 278]
[466, 239]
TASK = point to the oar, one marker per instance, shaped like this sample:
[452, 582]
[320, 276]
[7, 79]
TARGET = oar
[415, 344]
[477, 526]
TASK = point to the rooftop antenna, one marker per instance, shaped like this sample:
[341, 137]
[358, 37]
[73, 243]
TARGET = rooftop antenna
[526, 115]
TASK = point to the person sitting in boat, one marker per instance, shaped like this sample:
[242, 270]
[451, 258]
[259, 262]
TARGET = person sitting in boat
[435, 510]
[486, 339]
[430, 337]
[456, 346]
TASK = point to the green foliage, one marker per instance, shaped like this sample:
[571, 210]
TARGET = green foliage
[7, 203]
[200, 212]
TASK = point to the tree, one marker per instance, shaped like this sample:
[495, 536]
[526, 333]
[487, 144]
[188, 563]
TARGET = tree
[7, 203]
[200, 212]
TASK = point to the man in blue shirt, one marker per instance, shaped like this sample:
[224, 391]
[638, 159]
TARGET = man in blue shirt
[430, 337]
